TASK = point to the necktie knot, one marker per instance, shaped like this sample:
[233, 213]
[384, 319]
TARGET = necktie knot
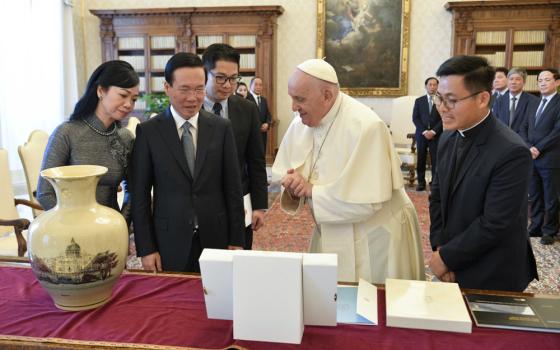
[217, 109]
[186, 126]
[259, 100]
[514, 99]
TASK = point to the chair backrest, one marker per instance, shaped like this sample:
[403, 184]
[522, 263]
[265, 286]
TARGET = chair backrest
[401, 120]
[132, 123]
[7, 206]
[31, 155]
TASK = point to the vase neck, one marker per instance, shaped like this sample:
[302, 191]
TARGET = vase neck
[76, 192]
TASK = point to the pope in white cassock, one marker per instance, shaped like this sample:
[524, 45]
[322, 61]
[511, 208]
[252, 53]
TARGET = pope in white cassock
[338, 155]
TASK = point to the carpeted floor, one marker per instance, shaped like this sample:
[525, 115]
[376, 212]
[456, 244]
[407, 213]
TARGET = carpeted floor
[283, 232]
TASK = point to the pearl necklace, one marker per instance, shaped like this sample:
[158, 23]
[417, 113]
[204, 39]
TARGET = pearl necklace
[102, 133]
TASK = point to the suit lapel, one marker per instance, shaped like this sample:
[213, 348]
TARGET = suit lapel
[168, 131]
[547, 112]
[474, 150]
[233, 111]
[551, 107]
[446, 162]
[205, 135]
[471, 156]
[519, 107]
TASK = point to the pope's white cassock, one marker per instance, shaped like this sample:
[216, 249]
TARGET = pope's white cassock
[358, 201]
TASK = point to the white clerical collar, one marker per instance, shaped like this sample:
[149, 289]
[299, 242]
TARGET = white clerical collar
[474, 126]
[179, 121]
[331, 114]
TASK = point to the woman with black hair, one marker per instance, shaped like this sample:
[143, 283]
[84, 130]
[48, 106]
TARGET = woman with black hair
[93, 134]
[242, 89]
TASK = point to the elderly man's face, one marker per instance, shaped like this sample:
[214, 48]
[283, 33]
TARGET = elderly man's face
[515, 83]
[308, 99]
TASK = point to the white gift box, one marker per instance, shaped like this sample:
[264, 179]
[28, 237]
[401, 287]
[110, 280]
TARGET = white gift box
[319, 289]
[216, 270]
[426, 305]
[268, 297]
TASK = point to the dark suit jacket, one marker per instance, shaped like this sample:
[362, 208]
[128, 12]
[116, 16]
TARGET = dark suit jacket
[423, 119]
[244, 117]
[545, 136]
[480, 223]
[213, 194]
[501, 111]
[265, 116]
[494, 99]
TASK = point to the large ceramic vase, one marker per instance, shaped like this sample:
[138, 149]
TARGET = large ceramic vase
[78, 249]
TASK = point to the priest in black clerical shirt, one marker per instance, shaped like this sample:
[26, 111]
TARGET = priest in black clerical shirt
[478, 204]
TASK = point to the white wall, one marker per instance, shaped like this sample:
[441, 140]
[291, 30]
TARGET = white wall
[430, 41]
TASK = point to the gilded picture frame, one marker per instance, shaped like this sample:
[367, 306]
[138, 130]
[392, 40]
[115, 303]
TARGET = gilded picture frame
[367, 43]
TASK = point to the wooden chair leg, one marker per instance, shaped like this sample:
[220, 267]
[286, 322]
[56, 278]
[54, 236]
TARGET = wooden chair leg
[411, 175]
[19, 226]
[22, 244]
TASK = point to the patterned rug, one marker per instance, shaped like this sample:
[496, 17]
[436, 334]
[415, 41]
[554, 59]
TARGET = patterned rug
[283, 232]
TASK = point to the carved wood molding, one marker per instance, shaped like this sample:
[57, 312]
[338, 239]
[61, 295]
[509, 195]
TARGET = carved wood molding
[500, 4]
[181, 11]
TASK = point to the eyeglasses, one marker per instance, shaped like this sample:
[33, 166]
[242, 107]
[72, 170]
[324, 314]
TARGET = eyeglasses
[450, 102]
[198, 91]
[221, 79]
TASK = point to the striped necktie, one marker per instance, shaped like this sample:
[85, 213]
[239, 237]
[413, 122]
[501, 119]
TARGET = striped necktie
[539, 111]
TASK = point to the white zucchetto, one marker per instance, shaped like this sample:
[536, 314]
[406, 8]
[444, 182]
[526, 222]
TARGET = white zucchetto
[319, 69]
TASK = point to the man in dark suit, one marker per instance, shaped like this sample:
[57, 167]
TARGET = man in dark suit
[499, 87]
[478, 204]
[188, 158]
[254, 95]
[222, 67]
[511, 109]
[428, 128]
[541, 132]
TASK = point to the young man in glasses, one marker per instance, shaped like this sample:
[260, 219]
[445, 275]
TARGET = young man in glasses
[478, 204]
[222, 68]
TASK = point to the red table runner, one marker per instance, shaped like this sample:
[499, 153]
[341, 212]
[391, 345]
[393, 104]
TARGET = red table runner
[149, 311]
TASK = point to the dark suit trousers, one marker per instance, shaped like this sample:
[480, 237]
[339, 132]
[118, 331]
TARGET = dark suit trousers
[264, 138]
[248, 238]
[543, 196]
[196, 250]
[422, 147]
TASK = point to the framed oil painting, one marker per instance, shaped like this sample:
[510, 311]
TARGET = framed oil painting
[367, 42]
